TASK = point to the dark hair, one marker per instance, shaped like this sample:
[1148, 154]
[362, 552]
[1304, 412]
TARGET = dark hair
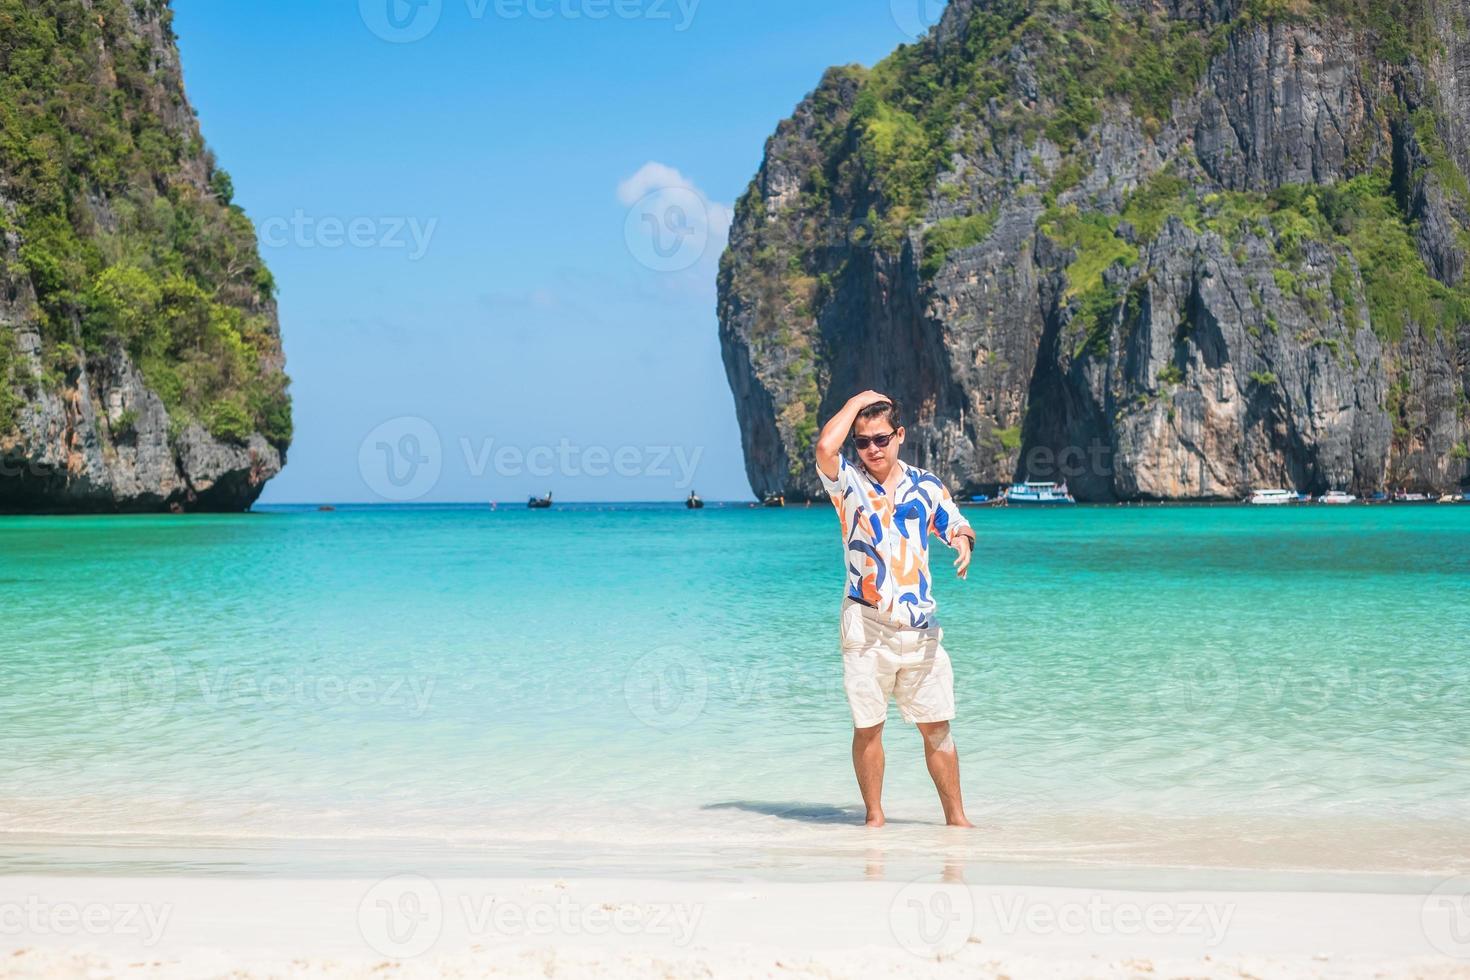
[878, 410]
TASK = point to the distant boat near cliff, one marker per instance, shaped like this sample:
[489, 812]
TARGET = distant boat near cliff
[1337, 497]
[1273, 497]
[1034, 492]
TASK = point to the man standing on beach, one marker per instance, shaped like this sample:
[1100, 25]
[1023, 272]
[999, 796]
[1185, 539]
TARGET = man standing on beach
[890, 639]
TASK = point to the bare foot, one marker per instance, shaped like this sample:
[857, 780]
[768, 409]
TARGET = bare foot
[960, 821]
[876, 820]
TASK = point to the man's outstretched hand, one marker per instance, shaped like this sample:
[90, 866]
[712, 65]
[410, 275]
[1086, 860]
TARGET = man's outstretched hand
[964, 545]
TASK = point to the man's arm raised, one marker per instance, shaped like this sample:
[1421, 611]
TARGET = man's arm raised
[834, 433]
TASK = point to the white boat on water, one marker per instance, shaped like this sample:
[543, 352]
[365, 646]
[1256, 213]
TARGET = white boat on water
[1032, 492]
[1273, 497]
[1337, 497]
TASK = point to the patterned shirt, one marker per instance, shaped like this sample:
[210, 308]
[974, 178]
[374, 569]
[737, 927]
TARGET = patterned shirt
[886, 539]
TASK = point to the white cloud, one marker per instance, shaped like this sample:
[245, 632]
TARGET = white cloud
[652, 176]
[672, 225]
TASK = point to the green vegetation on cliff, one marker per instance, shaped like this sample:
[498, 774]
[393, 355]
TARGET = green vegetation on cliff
[953, 233]
[1358, 218]
[917, 99]
[124, 227]
[9, 401]
[1078, 55]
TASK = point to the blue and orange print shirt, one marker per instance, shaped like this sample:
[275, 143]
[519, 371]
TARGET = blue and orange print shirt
[886, 538]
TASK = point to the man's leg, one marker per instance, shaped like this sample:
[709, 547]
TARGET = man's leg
[867, 759]
[944, 766]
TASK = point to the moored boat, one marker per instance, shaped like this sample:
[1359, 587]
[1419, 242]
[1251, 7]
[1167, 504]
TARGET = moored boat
[693, 502]
[1273, 497]
[540, 503]
[1036, 492]
[1337, 497]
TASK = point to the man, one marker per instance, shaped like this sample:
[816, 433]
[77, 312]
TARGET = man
[890, 639]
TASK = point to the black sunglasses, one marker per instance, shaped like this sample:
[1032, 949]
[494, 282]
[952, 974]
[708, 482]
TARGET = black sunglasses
[879, 441]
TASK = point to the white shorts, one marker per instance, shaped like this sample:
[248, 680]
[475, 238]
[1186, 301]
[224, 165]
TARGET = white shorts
[881, 659]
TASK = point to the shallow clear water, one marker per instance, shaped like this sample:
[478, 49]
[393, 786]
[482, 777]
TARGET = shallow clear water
[652, 688]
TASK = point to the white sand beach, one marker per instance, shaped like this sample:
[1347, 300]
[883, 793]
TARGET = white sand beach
[412, 926]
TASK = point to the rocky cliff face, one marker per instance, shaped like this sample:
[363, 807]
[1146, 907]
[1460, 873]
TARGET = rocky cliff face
[140, 357]
[1162, 250]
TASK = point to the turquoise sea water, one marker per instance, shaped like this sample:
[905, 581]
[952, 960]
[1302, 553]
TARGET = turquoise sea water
[648, 688]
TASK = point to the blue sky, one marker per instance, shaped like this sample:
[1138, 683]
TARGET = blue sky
[455, 197]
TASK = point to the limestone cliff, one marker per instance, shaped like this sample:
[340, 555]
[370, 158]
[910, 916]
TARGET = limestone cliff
[140, 355]
[1165, 250]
